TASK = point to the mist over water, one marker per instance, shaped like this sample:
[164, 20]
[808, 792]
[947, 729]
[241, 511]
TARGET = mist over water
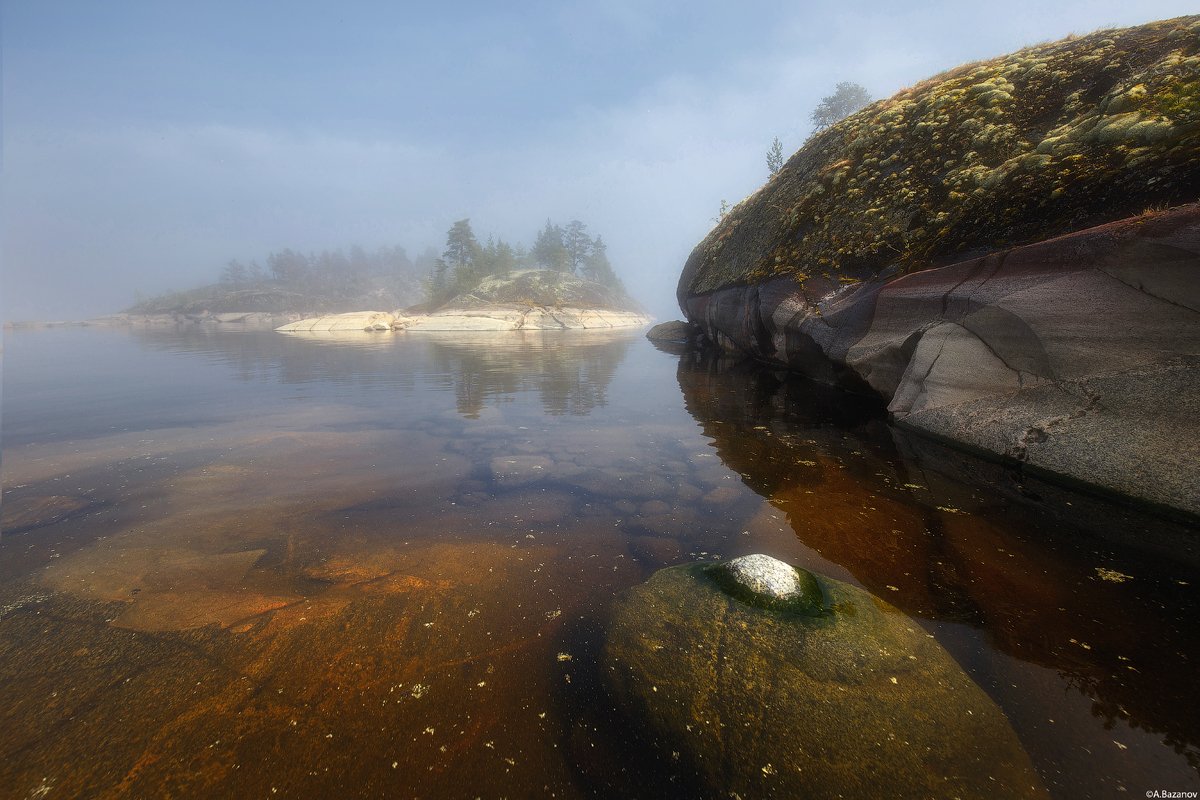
[145, 146]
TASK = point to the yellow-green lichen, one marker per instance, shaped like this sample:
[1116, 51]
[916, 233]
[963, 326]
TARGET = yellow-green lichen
[983, 156]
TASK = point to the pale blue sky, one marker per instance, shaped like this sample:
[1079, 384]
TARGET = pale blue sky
[146, 143]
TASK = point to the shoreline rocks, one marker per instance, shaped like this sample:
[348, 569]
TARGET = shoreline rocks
[675, 332]
[1007, 253]
[254, 320]
[352, 321]
[1077, 358]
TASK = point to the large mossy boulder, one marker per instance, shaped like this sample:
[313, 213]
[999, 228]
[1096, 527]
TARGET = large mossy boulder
[830, 693]
[1012, 150]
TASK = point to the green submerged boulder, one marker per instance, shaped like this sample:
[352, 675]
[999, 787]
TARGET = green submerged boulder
[804, 687]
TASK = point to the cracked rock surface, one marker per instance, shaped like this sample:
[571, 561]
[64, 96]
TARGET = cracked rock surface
[1076, 356]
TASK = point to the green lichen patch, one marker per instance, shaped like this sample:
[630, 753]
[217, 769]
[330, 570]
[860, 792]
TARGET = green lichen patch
[808, 599]
[988, 155]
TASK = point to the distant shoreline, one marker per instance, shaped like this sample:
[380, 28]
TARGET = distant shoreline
[265, 319]
[483, 318]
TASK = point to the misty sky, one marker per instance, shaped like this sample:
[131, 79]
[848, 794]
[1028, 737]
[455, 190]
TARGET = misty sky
[147, 143]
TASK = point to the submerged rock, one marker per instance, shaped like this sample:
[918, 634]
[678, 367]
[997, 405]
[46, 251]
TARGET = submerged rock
[847, 698]
[25, 513]
[674, 331]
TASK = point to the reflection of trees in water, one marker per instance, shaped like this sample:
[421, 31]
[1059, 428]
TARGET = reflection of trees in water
[936, 533]
[570, 371]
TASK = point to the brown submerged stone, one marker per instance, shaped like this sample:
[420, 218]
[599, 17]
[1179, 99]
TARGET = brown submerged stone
[856, 702]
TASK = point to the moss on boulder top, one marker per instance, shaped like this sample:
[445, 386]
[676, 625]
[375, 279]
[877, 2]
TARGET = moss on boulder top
[1049, 139]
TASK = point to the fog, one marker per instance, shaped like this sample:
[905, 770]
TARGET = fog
[146, 144]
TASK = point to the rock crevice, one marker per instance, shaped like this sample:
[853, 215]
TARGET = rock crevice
[980, 352]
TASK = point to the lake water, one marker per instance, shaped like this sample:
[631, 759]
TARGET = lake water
[247, 564]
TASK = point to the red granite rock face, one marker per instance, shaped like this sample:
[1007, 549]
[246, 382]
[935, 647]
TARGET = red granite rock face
[1077, 355]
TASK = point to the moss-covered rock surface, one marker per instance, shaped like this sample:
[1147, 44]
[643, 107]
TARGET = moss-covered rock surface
[1047, 140]
[857, 701]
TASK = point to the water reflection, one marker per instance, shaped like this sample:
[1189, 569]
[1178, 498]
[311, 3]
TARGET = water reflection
[1050, 577]
[244, 561]
[569, 370]
[265, 356]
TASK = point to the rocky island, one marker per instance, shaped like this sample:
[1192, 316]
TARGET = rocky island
[530, 299]
[1007, 253]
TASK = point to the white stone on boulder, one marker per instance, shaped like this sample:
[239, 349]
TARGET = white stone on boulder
[766, 576]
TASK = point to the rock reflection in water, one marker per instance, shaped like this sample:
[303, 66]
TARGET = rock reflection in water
[1052, 579]
[569, 370]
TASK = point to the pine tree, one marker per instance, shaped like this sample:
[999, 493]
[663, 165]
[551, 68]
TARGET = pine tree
[577, 243]
[775, 156]
[288, 267]
[846, 99]
[234, 273]
[463, 255]
[505, 259]
[437, 285]
[549, 252]
[597, 268]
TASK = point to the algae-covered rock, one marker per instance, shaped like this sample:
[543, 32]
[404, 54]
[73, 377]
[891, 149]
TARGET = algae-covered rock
[852, 700]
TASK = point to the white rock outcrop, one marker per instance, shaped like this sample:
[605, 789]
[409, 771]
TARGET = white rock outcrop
[497, 317]
[353, 321]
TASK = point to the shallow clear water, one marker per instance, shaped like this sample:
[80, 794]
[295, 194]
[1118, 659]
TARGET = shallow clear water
[236, 563]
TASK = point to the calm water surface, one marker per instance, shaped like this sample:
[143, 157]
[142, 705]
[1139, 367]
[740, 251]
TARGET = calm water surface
[246, 564]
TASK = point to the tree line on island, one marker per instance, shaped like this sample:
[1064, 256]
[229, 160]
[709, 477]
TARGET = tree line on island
[331, 272]
[465, 263]
[388, 275]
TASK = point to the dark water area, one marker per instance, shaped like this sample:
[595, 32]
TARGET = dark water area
[242, 563]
